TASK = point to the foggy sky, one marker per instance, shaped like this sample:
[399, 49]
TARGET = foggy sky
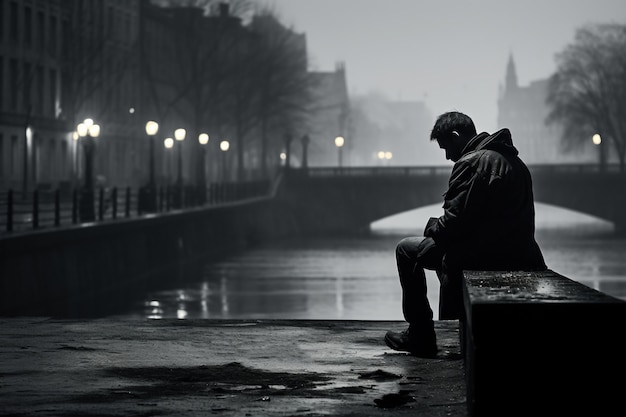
[451, 54]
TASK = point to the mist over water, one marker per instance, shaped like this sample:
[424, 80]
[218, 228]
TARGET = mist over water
[355, 278]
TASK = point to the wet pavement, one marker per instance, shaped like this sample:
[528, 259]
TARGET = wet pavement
[175, 367]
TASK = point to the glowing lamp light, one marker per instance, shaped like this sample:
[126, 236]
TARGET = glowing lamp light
[82, 129]
[339, 141]
[152, 128]
[168, 143]
[224, 145]
[596, 139]
[203, 138]
[94, 131]
[179, 134]
[388, 155]
[381, 155]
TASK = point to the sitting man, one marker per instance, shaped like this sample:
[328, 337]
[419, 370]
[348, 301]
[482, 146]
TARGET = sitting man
[488, 224]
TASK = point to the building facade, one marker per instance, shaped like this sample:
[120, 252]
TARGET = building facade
[123, 63]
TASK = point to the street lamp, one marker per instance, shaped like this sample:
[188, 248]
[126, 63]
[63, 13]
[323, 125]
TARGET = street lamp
[203, 139]
[88, 131]
[224, 146]
[168, 143]
[339, 142]
[147, 196]
[597, 140]
[152, 128]
[179, 135]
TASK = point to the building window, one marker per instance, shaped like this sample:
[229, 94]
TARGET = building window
[1, 79]
[2, 21]
[13, 23]
[13, 83]
[63, 164]
[27, 78]
[53, 93]
[52, 163]
[41, 30]
[40, 91]
[28, 27]
[14, 154]
[53, 36]
[2, 164]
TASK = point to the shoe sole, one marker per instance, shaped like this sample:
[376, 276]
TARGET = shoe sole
[422, 354]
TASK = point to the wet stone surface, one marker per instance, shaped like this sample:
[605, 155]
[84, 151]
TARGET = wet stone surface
[229, 368]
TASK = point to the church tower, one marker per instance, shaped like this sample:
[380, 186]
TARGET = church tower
[511, 76]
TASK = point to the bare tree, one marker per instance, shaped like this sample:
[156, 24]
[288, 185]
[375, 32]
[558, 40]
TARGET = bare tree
[282, 83]
[587, 94]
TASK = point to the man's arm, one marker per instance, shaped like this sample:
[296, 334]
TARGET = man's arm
[464, 200]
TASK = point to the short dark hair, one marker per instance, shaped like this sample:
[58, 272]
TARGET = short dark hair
[450, 121]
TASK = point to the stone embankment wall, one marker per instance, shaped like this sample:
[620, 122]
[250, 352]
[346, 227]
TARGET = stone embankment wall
[80, 270]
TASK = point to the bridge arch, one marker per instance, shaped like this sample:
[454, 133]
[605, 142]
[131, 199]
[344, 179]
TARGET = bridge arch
[349, 199]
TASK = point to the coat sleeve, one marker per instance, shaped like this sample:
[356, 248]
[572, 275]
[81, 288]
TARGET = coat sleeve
[464, 200]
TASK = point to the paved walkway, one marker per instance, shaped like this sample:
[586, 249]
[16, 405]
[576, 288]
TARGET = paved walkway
[227, 368]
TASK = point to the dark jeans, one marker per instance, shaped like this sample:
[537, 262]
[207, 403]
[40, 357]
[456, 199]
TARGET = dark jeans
[413, 255]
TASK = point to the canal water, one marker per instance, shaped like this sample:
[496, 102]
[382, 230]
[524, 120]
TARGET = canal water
[354, 277]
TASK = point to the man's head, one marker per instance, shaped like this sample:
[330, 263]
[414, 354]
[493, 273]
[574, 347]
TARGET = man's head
[452, 131]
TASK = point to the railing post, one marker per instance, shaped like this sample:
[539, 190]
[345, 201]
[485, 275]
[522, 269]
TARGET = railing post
[114, 203]
[57, 207]
[74, 206]
[35, 209]
[10, 211]
[127, 202]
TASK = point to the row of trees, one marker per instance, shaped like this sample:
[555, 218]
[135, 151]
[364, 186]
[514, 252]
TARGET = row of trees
[587, 94]
[231, 70]
[247, 82]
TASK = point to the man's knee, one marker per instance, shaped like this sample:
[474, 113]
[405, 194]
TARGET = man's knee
[408, 248]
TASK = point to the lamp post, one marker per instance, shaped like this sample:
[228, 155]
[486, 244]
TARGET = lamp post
[597, 140]
[88, 131]
[288, 140]
[305, 151]
[339, 142]
[169, 144]
[203, 139]
[179, 135]
[147, 195]
[224, 146]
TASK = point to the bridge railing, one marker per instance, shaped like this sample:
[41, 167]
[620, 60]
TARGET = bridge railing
[410, 171]
[575, 168]
[399, 171]
[54, 208]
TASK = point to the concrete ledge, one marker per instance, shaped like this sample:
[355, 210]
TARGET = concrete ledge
[539, 340]
[227, 368]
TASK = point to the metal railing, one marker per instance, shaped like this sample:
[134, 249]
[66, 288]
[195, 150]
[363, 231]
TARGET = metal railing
[56, 208]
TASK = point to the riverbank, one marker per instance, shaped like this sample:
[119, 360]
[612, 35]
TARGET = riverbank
[227, 368]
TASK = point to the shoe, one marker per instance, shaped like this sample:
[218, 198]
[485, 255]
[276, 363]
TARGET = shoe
[423, 345]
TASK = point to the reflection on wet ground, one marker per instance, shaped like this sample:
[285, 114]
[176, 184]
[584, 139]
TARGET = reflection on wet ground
[352, 278]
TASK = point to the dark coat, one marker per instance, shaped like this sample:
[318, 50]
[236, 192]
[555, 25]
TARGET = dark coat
[489, 214]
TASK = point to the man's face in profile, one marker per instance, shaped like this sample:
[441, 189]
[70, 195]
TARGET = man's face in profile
[453, 145]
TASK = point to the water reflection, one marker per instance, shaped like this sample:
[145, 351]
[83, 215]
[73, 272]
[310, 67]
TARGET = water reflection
[354, 278]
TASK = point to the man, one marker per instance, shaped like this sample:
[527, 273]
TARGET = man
[488, 224]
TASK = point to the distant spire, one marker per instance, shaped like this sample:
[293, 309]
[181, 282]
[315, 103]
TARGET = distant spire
[511, 75]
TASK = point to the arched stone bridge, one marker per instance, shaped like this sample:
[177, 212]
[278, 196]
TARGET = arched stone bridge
[349, 199]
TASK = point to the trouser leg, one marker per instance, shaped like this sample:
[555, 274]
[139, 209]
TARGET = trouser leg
[413, 254]
[450, 293]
